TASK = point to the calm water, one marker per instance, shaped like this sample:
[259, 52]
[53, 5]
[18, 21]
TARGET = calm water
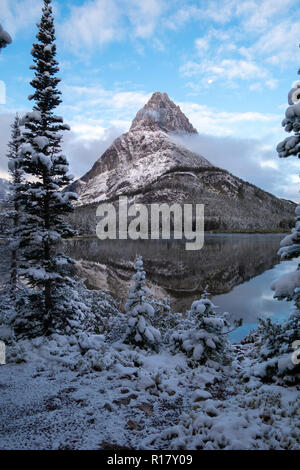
[238, 269]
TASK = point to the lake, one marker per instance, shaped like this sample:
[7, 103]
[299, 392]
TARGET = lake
[238, 269]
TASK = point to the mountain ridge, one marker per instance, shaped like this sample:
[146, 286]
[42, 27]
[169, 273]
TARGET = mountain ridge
[148, 166]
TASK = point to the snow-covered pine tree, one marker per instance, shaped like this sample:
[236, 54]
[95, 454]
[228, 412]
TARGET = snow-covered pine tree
[289, 286]
[15, 199]
[139, 311]
[204, 334]
[291, 147]
[45, 205]
[277, 340]
[5, 38]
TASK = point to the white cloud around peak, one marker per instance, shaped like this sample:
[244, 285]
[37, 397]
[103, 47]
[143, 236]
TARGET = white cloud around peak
[249, 159]
[236, 124]
[96, 102]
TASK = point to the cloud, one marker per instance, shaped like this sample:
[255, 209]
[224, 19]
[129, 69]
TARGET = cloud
[96, 103]
[249, 159]
[93, 110]
[144, 16]
[254, 15]
[253, 159]
[202, 45]
[279, 44]
[242, 69]
[82, 152]
[92, 24]
[227, 70]
[98, 22]
[257, 15]
[82, 146]
[98, 117]
[272, 83]
[19, 14]
[263, 34]
[219, 12]
[221, 123]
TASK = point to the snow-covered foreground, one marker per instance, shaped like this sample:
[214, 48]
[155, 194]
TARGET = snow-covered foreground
[115, 397]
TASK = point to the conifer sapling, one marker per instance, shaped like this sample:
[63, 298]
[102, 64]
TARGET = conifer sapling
[139, 311]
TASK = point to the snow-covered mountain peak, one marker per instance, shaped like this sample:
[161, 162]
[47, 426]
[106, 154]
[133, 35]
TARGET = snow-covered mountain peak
[148, 166]
[161, 113]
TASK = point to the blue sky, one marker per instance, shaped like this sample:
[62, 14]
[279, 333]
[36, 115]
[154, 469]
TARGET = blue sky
[229, 65]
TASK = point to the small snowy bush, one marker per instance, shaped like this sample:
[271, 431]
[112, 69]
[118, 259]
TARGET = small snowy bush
[275, 348]
[164, 319]
[139, 312]
[76, 309]
[205, 335]
[67, 316]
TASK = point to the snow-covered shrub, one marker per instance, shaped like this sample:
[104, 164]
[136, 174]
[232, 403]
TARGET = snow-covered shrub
[256, 420]
[164, 319]
[16, 354]
[203, 306]
[204, 336]
[103, 315]
[160, 306]
[268, 337]
[27, 319]
[139, 312]
[77, 309]
[276, 350]
[67, 316]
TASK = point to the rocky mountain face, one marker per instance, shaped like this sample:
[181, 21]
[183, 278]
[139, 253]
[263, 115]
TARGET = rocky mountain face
[146, 165]
[160, 112]
[141, 156]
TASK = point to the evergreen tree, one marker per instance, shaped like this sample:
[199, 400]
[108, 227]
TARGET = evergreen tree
[14, 214]
[276, 342]
[5, 38]
[291, 147]
[203, 335]
[290, 245]
[139, 310]
[45, 205]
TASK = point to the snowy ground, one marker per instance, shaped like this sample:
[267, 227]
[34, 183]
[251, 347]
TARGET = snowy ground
[115, 397]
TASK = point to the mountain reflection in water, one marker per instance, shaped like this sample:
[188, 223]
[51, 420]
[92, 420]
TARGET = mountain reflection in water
[238, 269]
